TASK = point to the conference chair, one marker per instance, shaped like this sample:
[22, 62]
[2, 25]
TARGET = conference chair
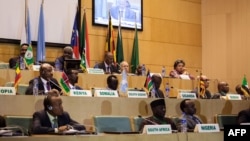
[226, 119]
[22, 123]
[4, 65]
[9, 84]
[136, 123]
[118, 124]
[21, 88]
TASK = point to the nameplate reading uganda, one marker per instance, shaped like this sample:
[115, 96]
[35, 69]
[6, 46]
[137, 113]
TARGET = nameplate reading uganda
[186, 95]
[236, 132]
[106, 93]
[86, 93]
[7, 91]
[95, 71]
[205, 128]
[233, 97]
[137, 94]
[157, 129]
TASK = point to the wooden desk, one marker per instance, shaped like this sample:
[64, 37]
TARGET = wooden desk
[83, 108]
[88, 81]
[123, 137]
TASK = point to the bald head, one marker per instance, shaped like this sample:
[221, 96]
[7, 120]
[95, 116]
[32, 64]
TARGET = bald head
[204, 79]
[46, 71]
[68, 52]
[109, 58]
[223, 87]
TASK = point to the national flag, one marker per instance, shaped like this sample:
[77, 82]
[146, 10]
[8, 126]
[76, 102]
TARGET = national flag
[202, 89]
[64, 82]
[244, 81]
[18, 76]
[148, 82]
[135, 52]
[84, 44]
[119, 45]
[110, 43]
[75, 38]
[40, 52]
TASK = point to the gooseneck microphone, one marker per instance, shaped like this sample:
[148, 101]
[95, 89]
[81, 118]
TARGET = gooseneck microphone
[55, 84]
[148, 120]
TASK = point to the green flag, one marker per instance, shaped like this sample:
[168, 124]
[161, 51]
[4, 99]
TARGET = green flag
[244, 81]
[29, 59]
[119, 45]
[64, 82]
[135, 52]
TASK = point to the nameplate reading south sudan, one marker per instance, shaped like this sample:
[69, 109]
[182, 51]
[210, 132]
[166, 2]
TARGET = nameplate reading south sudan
[7, 91]
[137, 94]
[157, 129]
[86, 93]
[233, 97]
[186, 95]
[106, 93]
[95, 71]
[205, 128]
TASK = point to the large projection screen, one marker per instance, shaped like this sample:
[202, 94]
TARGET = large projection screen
[59, 17]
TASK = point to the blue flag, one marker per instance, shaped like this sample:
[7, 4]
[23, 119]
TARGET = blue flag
[124, 82]
[40, 52]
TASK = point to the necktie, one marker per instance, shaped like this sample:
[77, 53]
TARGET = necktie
[48, 86]
[107, 69]
[55, 124]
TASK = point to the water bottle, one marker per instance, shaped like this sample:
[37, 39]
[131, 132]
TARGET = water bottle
[163, 71]
[183, 124]
[143, 70]
[167, 89]
[22, 64]
[35, 87]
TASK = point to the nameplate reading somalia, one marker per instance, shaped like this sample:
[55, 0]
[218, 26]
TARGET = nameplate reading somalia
[237, 132]
[95, 71]
[86, 93]
[137, 94]
[157, 129]
[233, 97]
[205, 128]
[7, 91]
[186, 95]
[106, 93]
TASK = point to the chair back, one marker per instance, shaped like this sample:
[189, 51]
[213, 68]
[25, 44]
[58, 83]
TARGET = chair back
[112, 124]
[137, 123]
[226, 119]
[21, 88]
[24, 122]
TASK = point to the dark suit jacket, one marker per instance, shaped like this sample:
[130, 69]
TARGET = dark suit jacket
[13, 61]
[113, 69]
[59, 64]
[158, 93]
[244, 116]
[42, 125]
[41, 90]
[153, 119]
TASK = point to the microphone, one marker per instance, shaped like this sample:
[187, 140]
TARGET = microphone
[148, 120]
[55, 84]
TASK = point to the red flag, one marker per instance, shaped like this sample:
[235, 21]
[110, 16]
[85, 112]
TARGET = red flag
[18, 76]
[75, 39]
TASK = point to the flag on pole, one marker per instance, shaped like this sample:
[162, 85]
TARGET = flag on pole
[244, 81]
[148, 82]
[135, 52]
[75, 38]
[40, 52]
[119, 45]
[84, 44]
[18, 76]
[110, 43]
[64, 82]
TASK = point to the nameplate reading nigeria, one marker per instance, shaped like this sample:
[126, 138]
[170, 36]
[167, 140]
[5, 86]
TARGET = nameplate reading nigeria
[157, 129]
[95, 71]
[86, 93]
[204, 128]
[106, 93]
[137, 94]
[7, 91]
[186, 95]
[233, 97]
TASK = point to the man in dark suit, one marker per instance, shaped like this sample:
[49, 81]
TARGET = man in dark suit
[19, 59]
[158, 108]
[67, 54]
[45, 81]
[223, 89]
[244, 116]
[188, 109]
[53, 119]
[73, 79]
[156, 92]
[108, 64]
